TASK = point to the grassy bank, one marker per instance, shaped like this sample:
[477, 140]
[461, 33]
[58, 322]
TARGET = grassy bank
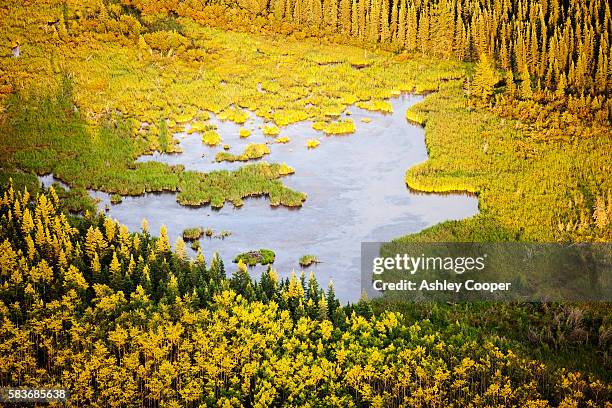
[529, 187]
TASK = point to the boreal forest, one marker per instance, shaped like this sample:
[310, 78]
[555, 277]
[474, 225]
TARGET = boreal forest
[177, 178]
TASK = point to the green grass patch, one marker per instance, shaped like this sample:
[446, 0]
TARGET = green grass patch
[44, 134]
[217, 187]
[252, 258]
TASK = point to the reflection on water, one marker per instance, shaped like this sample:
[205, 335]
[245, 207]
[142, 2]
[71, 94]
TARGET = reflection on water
[355, 186]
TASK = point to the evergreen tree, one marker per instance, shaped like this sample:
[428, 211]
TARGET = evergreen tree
[525, 88]
[345, 16]
[442, 30]
[355, 19]
[485, 78]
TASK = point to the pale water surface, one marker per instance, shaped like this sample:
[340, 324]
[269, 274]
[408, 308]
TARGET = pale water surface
[355, 186]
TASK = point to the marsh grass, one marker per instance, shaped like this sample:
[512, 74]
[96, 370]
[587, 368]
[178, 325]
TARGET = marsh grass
[217, 187]
[252, 258]
[81, 141]
[312, 143]
[211, 138]
[415, 117]
[193, 234]
[200, 127]
[116, 199]
[252, 151]
[234, 114]
[285, 169]
[529, 188]
[377, 105]
[44, 134]
[307, 260]
[271, 130]
[341, 127]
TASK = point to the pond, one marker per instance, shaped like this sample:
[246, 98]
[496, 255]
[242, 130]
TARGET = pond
[355, 186]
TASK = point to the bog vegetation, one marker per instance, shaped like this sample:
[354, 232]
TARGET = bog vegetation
[251, 151]
[120, 318]
[520, 116]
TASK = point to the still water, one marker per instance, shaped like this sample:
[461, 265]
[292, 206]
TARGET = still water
[355, 186]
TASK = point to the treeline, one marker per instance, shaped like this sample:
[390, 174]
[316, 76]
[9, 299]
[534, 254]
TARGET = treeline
[123, 319]
[550, 43]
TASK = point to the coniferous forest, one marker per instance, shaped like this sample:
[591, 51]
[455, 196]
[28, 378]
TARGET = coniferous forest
[516, 112]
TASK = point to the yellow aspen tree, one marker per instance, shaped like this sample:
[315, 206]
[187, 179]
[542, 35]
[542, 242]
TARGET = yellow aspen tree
[322, 314]
[39, 237]
[278, 9]
[136, 243]
[561, 86]
[504, 55]
[90, 242]
[442, 29]
[292, 290]
[61, 260]
[142, 46]
[601, 72]
[44, 209]
[316, 13]
[172, 287]
[103, 16]
[62, 31]
[54, 198]
[460, 44]
[31, 248]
